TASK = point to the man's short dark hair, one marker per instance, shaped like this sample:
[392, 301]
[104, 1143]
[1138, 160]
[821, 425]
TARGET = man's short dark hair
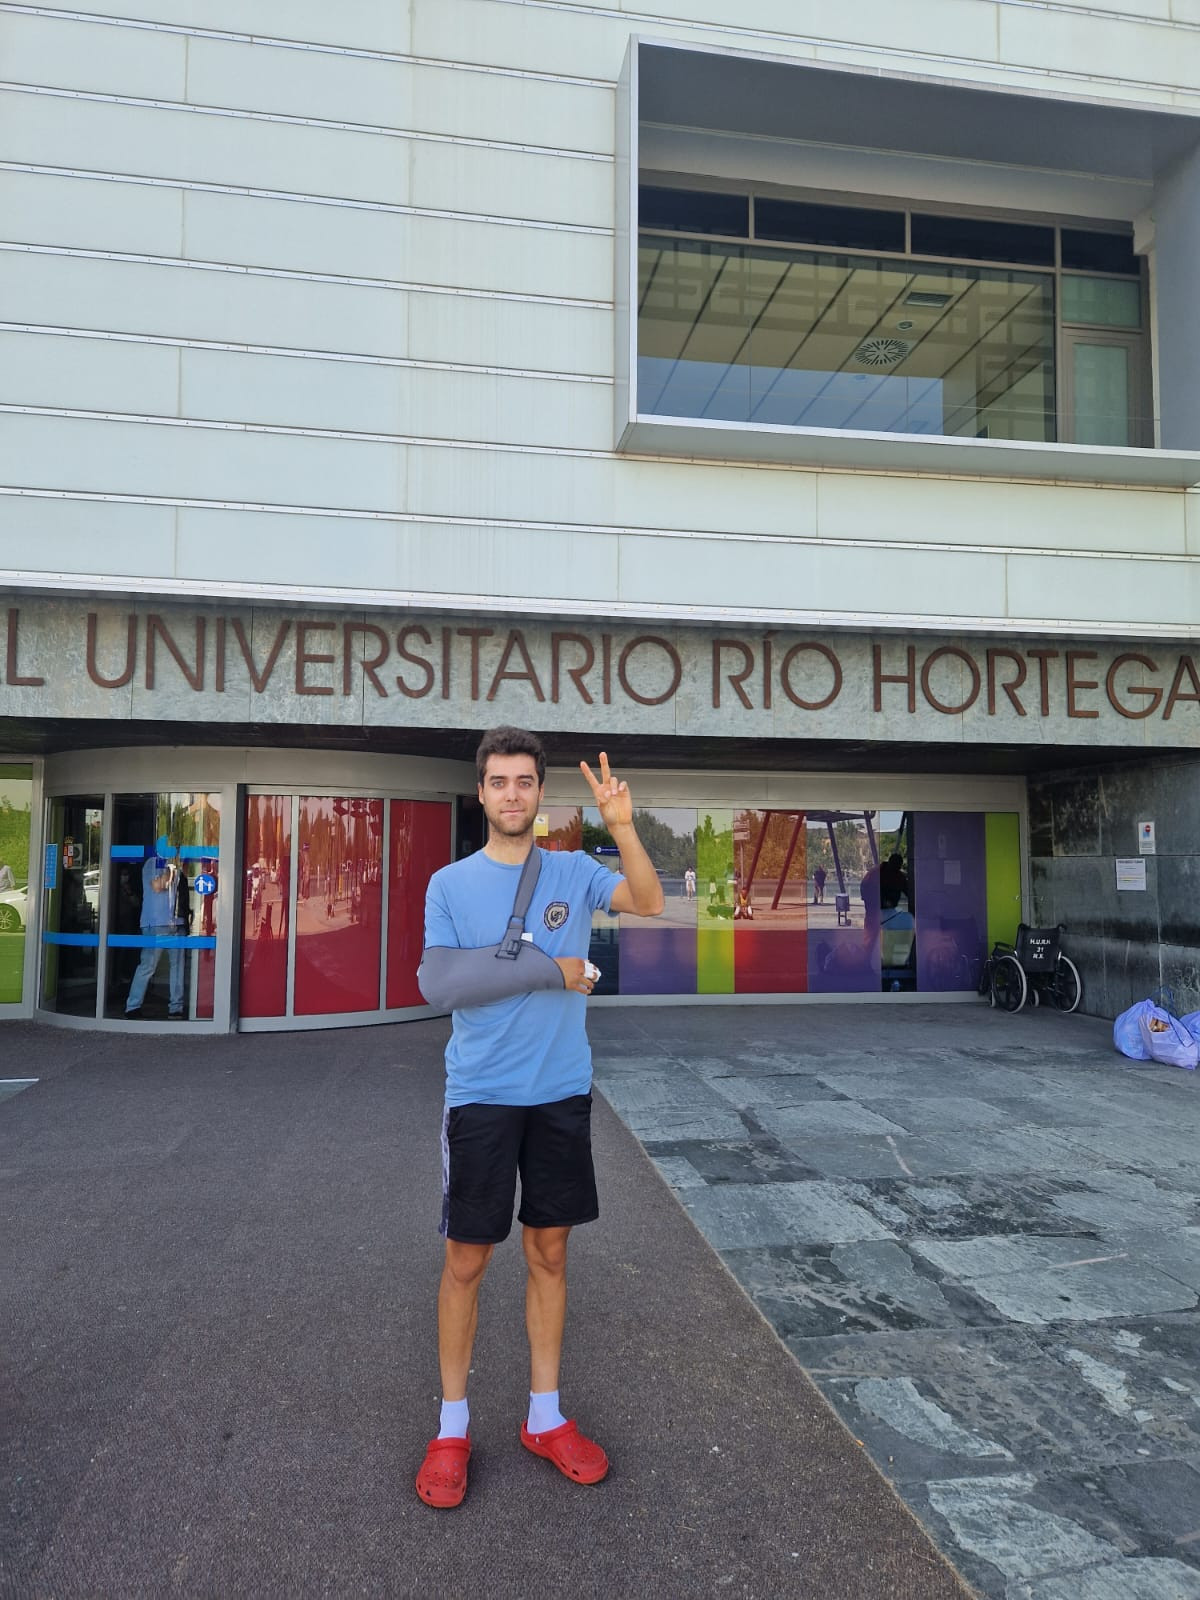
[506, 741]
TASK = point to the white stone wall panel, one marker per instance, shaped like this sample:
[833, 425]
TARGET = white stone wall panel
[424, 250]
[411, 401]
[1108, 47]
[39, 208]
[435, 99]
[108, 538]
[74, 55]
[1066, 516]
[178, 302]
[1134, 592]
[510, 183]
[545, 338]
[76, 453]
[183, 146]
[92, 375]
[365, 25]
[316, 552]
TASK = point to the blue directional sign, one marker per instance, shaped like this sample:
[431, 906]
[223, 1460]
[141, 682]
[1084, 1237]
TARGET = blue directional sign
[205, 883]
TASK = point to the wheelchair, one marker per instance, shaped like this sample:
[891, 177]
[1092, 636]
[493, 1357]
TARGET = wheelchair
[1034, 969]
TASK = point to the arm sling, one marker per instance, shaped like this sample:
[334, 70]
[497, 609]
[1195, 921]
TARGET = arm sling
[450, 978]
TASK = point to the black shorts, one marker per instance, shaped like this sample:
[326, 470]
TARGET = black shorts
[484, 1148]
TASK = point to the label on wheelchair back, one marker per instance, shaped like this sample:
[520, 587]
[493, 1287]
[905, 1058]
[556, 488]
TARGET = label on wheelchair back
[1040, 950]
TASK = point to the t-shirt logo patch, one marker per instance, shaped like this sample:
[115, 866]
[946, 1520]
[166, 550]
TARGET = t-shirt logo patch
[556, 914]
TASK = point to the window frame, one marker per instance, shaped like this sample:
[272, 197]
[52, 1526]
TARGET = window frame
[1114, 160]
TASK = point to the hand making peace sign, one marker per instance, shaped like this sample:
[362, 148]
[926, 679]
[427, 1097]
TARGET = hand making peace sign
[613, 799]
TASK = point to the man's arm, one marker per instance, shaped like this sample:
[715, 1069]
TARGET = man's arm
[641, 893]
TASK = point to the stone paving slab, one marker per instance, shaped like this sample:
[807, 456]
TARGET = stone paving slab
[997, 1291]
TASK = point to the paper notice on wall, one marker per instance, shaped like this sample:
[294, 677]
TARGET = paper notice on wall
[953, 874]
[1146, 844]
[1131, 874]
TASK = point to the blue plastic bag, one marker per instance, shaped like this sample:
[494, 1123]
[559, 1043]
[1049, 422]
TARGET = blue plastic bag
[1127, 1033]
[1171, 1042]
[1192, 1023]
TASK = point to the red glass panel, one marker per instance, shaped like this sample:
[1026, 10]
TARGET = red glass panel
[339, 906]
[204, 922]
[420, 844]
[265, 892]
[771, 908]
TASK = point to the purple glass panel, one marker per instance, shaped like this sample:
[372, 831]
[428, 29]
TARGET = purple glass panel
[844, 960]
[949, 892]
[658, 960]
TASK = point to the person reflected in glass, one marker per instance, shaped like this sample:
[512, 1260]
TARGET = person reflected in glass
[159, 920]
[893, 881]
[7, 881]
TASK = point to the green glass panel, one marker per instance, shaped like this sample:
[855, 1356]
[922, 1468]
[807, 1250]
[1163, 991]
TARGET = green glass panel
[714, 961]
[714, 902]
[1102, 302]
[16, 790]
[1003, 856]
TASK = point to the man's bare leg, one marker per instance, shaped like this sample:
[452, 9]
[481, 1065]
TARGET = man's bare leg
[458, 1313]
[545, 1303]
[547, 1433]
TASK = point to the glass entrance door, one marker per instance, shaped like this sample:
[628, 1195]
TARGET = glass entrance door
[72, 877]
[161, 926]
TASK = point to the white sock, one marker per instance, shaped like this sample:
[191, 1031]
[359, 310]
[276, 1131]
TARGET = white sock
[543, 1412]
[455, 1420]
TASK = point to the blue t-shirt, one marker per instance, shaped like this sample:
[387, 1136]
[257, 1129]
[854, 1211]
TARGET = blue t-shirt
[158, 905]
[533, 1049]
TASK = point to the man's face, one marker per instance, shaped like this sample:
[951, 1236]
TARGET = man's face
[510, 794]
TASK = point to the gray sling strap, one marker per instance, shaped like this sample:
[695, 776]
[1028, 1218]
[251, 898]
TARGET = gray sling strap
[450, 978]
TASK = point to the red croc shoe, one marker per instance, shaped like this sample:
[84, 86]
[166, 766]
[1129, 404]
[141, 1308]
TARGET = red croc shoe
[442, 1480]
[575, 1456]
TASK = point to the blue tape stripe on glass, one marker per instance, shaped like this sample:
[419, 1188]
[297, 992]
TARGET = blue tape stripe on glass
[88, 941]
[199, 852]
[134, 941]
[128, 852]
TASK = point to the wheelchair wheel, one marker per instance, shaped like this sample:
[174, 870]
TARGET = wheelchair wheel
[1009, 987]
[1065, 989]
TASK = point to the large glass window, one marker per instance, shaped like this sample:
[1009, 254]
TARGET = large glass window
[820, 901]
[742, 333]
[878, 328]
[16, 791]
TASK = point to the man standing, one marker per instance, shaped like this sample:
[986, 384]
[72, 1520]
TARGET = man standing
[518, 1100]
[159, 920]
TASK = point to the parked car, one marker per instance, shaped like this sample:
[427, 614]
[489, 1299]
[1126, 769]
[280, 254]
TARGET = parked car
[13, 909]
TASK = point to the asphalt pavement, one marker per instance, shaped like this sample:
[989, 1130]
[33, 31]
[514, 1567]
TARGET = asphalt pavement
[218, 1371]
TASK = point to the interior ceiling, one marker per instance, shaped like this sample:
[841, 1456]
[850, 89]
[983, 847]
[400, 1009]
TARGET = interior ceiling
[32, 736]
[756, 307]
[794, 100]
